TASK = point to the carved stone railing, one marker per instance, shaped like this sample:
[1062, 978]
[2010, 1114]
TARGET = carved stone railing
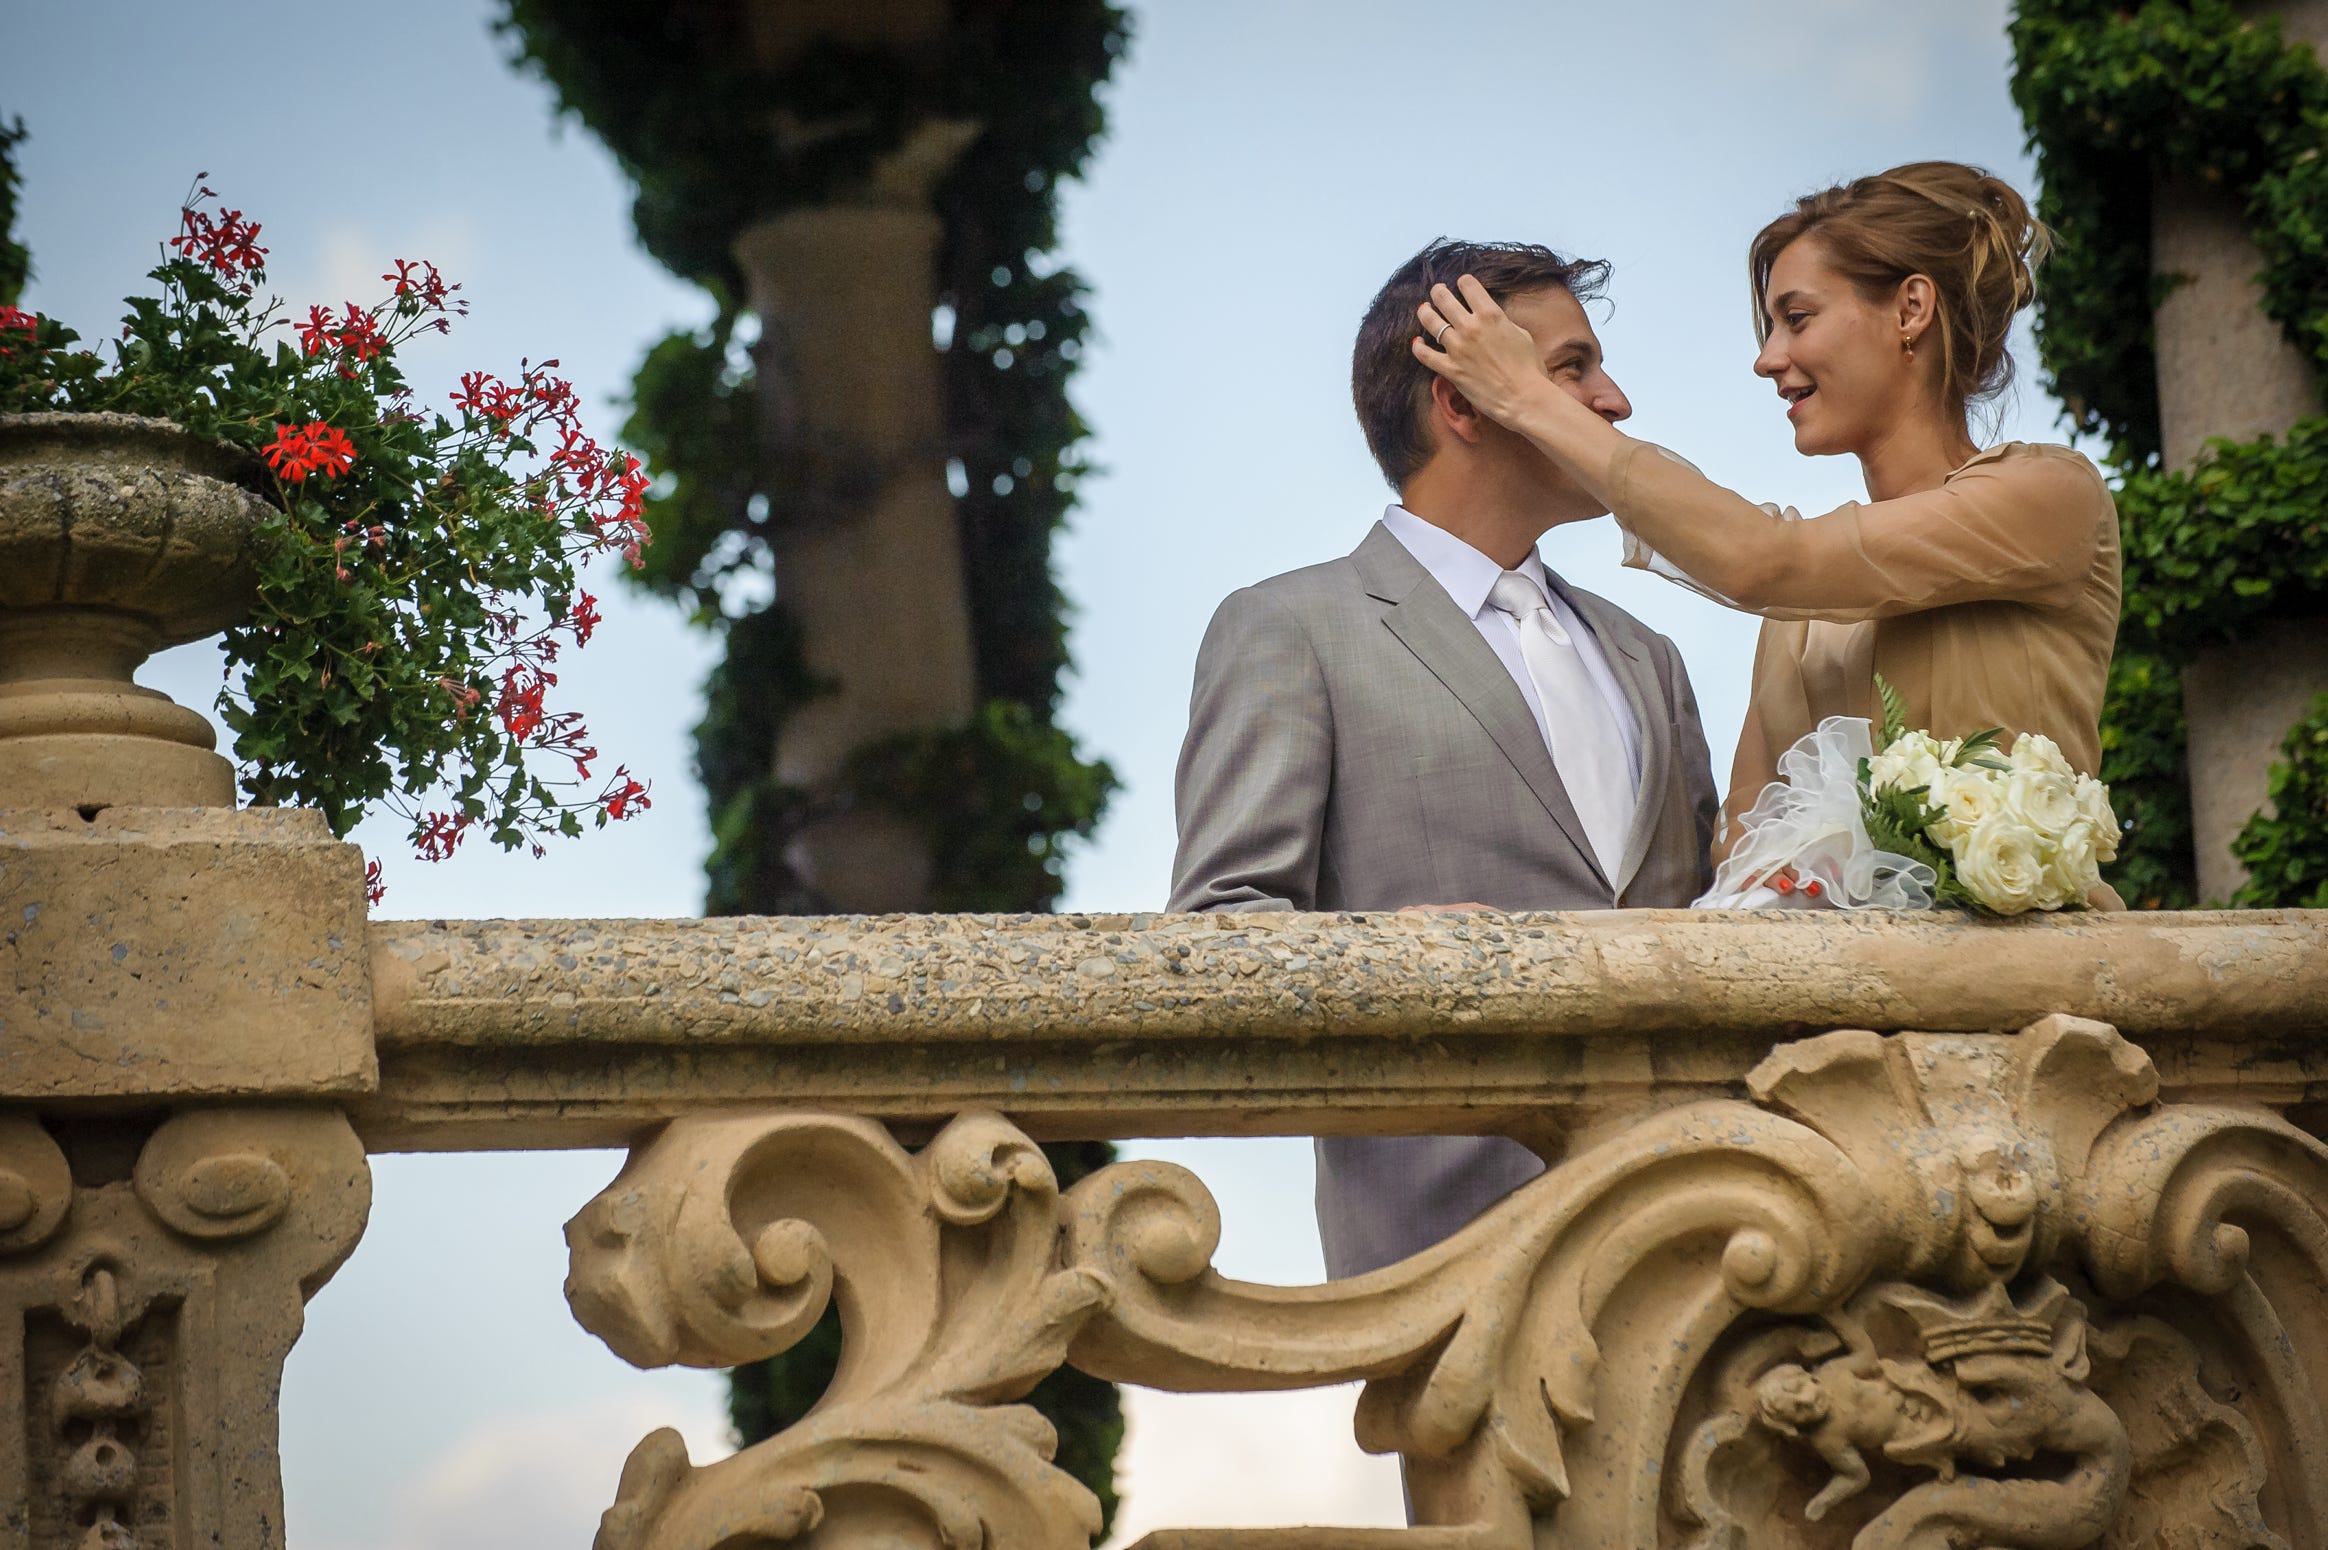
[1908, 1231]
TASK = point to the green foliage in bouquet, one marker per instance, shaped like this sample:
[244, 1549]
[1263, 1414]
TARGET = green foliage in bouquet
[1900, 819]
[1900, 822]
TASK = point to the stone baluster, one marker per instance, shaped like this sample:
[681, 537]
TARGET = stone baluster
[186, 1005]
[2226, 370]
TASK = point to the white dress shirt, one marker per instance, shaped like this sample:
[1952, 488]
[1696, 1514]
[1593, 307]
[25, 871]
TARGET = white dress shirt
[1468, 576]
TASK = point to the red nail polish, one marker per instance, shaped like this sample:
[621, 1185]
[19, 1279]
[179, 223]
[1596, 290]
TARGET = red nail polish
[1783, 884]
[1812, 889]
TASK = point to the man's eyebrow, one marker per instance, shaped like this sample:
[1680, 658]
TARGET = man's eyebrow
[1575, 344]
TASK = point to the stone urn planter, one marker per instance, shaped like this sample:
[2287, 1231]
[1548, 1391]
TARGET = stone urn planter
[119, 536]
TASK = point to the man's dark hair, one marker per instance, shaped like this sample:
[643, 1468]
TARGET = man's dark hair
[1391, 389]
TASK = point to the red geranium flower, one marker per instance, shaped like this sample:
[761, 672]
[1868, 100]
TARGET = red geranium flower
[582, 617]
[15, 320]
[439, 833]
[330, 449]
[626, 797]
[313, 448]
[227, 247]
[359, 335]
[316, 335]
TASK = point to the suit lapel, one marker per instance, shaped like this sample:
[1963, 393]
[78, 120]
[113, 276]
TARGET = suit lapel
[1630, 654]
[1429, 624]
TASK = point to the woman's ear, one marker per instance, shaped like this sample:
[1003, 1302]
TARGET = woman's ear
[1918, 304]
[1454, 412]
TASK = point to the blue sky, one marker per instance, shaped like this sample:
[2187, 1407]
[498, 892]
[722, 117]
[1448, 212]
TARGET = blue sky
[1267, 163]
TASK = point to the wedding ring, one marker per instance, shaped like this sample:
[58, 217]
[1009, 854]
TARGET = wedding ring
[1441, 334]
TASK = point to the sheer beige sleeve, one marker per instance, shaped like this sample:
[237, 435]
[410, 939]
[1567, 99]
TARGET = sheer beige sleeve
[2010, 528]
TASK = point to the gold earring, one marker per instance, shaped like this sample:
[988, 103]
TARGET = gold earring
[1908, 343]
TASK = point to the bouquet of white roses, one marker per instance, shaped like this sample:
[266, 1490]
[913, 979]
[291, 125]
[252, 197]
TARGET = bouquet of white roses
[1919, 822]
[2004, 831]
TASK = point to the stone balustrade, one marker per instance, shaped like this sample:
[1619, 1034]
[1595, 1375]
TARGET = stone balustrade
[1880, 1231]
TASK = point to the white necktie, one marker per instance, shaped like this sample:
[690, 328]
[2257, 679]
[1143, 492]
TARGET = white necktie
[1587, 748]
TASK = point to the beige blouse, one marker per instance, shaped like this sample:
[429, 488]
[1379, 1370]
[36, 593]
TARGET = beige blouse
[1991, 601]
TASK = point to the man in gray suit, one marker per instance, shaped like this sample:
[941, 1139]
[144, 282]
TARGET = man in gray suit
[1437, 721]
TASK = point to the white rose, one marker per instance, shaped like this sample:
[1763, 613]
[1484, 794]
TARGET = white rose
[2075, 865]
[2036, 751]
[2043, 799]
[2093, 805]
[1909, 764]
[2000, 863]
[1943, 830]
[1967, 797]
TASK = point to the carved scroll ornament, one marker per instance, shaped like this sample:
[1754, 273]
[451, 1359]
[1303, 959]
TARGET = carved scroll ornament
[1921, 1291]
[722, 1242]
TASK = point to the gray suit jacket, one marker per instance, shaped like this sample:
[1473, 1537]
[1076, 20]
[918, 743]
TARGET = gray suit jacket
[1354, 744]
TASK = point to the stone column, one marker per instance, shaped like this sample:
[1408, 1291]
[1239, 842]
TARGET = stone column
[2226, 370]
[850, 379]
[184, 1005]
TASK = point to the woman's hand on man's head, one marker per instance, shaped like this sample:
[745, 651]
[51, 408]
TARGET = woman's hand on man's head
[1475, 345]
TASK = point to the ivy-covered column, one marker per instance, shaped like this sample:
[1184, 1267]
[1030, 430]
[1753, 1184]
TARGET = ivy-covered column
[2227, 371]
[2184, 318]
[844, 293]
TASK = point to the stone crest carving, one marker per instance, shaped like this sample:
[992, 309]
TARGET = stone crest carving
[1920, 1291]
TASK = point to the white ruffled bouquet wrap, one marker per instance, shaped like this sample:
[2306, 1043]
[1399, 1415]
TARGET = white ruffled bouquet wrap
[1921, 822]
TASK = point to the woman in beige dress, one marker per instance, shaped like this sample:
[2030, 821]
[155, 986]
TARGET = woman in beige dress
[1982, 585]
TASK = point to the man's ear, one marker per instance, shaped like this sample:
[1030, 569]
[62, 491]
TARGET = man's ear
[1454, 413]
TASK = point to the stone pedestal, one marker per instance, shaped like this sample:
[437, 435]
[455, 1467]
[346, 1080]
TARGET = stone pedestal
[163, 952]
[871, 567]
[151, 1283]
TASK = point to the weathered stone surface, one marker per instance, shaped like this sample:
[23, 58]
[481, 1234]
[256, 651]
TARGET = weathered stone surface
[161, 952]
[549, 1033]
[1915, 1290]
[145, 1318]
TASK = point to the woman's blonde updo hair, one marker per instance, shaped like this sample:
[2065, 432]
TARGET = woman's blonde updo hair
[1969, 232]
